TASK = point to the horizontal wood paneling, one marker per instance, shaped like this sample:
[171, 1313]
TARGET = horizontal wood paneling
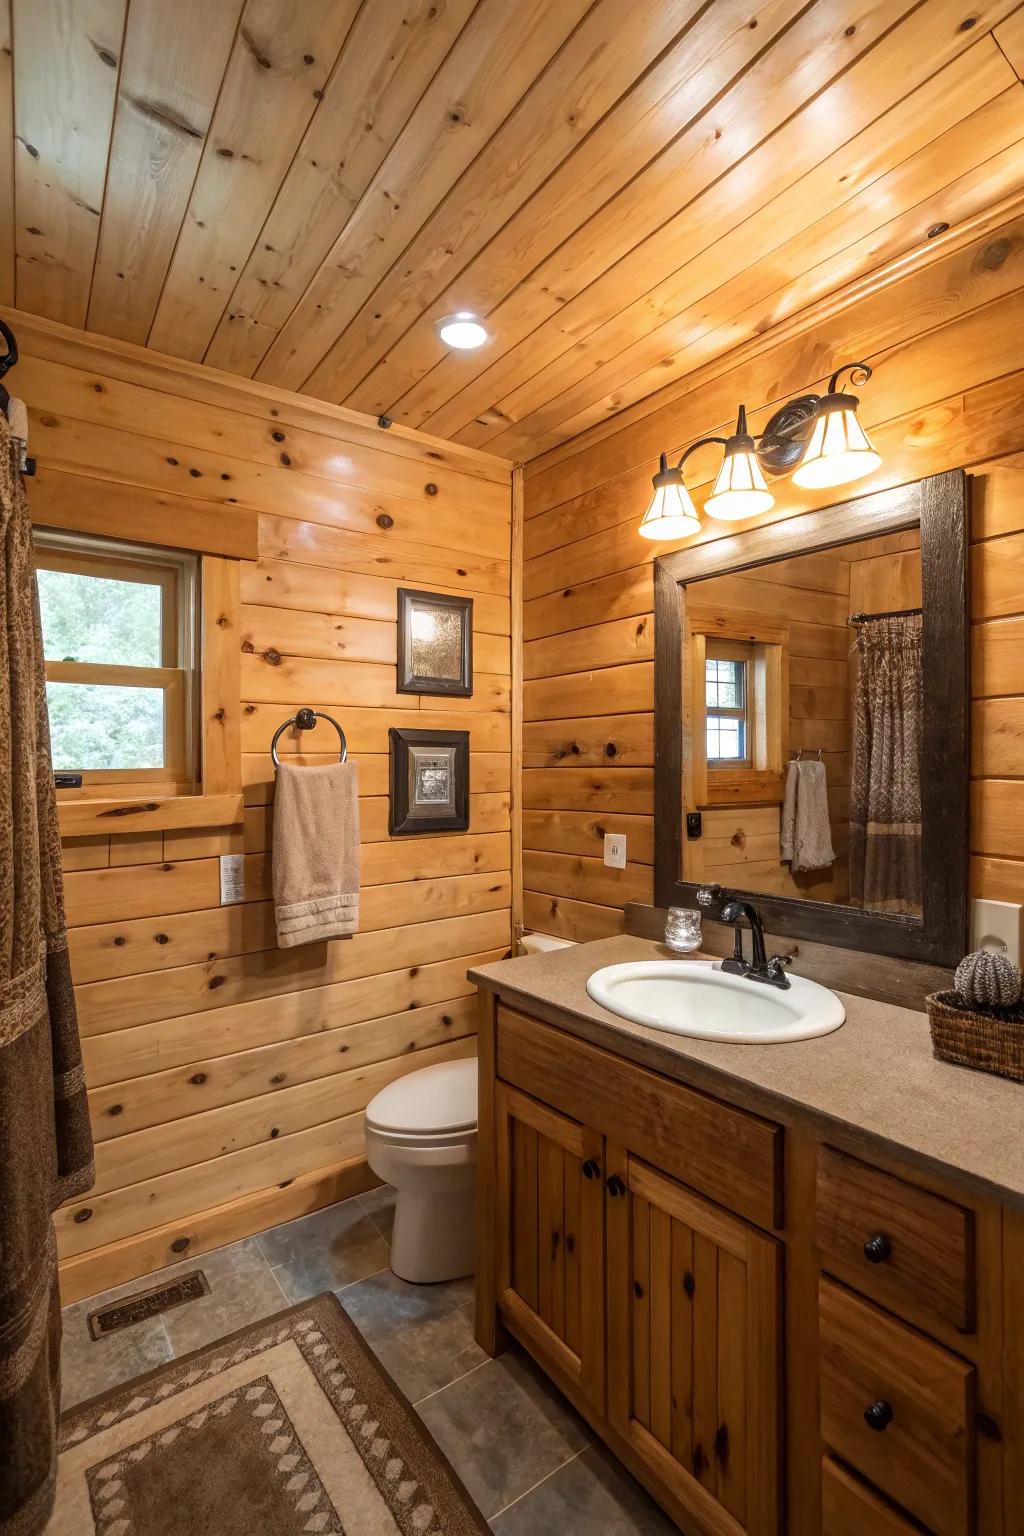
[168, 1096]
[142, 1253]
[155, 1150]
[217, 1064]
[588, 574]
[139, 1050]
[612, 739]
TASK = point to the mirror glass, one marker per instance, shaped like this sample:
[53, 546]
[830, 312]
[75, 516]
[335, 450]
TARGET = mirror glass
[802, 726]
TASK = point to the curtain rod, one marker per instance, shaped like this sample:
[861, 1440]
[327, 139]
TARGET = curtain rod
[894, 613]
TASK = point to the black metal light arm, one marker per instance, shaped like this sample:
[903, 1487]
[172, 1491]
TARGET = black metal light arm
[859, 374]
[701, 442]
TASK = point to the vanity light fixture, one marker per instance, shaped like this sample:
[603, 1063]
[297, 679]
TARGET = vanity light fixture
[839, 450]
[671, 514]
[740, 490]
[463, 330]
[817, 438]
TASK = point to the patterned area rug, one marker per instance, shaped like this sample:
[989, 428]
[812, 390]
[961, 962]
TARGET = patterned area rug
[287, 1427]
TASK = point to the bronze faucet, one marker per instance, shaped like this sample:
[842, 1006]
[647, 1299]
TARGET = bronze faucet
[732, 911]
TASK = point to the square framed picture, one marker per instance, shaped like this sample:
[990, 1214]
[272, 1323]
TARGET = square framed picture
[429, 784]
[435, 643]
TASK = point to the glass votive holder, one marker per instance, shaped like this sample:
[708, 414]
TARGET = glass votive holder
[682, 929]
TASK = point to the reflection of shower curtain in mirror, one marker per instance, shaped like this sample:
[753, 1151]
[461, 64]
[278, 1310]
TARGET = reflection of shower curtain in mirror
[885, 796]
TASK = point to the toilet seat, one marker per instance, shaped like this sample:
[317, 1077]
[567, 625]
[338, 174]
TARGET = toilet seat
[413, 1139]
[435, 1106]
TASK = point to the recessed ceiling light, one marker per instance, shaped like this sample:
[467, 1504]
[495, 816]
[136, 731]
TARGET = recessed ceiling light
[463, 330]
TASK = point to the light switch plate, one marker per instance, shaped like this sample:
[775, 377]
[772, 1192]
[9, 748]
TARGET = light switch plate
[232, 879]
[996, 925]
[615, 850]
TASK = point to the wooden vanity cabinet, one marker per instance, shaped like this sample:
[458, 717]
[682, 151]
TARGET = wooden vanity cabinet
[655, 1307]
[849, 1507]
[549, 1237]
[912, 1251]
[693, 1346]
[899, 1408]
[736, 1349]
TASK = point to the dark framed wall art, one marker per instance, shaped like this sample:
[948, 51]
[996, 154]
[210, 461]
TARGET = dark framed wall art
[429, 781]
[435, 643]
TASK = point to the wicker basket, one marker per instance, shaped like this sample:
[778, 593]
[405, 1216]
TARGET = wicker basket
[990, 1042]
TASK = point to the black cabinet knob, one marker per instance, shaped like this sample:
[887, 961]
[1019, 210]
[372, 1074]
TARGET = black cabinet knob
[616, 1186]
[879, 1415]
[877, 1249]
[591, 1168]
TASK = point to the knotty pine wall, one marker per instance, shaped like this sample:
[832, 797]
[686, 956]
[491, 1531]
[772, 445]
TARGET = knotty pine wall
[948, 390]
[226, 1078]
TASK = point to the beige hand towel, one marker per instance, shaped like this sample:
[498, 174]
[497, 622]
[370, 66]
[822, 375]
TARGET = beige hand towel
[316, 853]
[812, 834]
[789, 812]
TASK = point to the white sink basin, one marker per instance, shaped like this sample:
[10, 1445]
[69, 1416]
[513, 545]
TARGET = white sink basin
[696, 997]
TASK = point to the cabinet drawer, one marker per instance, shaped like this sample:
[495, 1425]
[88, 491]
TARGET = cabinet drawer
[911, 1250]
[733, 1157]
[917, 1442]
[850, 1508]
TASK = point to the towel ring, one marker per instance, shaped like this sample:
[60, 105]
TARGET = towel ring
[305, 720]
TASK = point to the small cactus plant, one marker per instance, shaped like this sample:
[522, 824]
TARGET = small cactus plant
[986, 980]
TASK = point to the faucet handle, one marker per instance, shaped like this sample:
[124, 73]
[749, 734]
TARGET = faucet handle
[776, 970]
[707, 895]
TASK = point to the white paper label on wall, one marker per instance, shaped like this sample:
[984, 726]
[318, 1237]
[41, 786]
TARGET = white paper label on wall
[232, 878]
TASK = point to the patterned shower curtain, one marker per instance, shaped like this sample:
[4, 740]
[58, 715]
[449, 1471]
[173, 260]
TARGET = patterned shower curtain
[885, 796]
[45, 1142]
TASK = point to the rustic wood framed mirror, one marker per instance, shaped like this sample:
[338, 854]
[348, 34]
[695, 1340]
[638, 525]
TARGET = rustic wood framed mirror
[811, 722]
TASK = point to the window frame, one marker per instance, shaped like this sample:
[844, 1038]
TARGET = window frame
[717, 649]
[176, 573]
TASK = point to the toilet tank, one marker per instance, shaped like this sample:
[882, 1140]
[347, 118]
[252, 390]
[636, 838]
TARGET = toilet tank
[540, 943]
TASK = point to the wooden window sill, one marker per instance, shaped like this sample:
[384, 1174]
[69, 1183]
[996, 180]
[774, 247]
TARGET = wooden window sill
[752, 786]
[155, 813]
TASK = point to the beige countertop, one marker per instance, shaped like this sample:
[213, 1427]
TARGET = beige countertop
[875, 1077]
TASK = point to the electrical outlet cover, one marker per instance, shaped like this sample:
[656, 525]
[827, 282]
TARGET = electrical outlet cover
[996, 925]
[615, 850]
[232, 879]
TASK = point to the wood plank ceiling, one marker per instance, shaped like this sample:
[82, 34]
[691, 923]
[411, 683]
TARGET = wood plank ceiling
[296, 190]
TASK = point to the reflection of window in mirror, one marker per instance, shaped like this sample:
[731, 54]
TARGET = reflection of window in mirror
[728, 691]
[119, 636]
[737, 746]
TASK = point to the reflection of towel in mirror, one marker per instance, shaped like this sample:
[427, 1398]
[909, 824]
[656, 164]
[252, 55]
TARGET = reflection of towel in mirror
[789, 812]
[810, 845]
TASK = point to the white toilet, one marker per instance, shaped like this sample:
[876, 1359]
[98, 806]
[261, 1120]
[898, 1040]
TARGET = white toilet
[421, 1137]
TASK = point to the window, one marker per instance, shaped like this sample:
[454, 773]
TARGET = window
[119, 641]
[727, 703]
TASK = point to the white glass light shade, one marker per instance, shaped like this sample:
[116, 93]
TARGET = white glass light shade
[838, 450]
[463, 331]
[671, 514]
[740, 490]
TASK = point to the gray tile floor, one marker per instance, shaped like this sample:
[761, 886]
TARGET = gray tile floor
[527, 1459]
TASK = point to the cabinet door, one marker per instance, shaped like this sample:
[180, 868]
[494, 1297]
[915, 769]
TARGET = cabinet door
[693, 1347]
[550, 1237]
